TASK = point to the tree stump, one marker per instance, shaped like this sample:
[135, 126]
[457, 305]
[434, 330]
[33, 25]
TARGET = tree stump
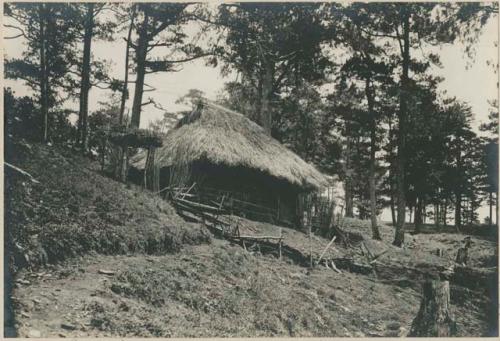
[434, 318]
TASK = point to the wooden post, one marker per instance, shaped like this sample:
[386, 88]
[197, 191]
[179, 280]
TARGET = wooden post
[496, 209]
[434, 318]
[491, 210]
[310, 248]
[103, 153]
[278, 210]
[124, 166]
[309, 227]
[156, 180]
[281, 239]
[149, 170]
[146, 165]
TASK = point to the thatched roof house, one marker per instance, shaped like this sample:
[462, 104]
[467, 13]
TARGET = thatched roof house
[223, 149]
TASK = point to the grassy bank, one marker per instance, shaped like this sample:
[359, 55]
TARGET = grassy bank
[72, 209]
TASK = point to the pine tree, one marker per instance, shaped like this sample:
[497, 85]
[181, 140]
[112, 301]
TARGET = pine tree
[44, 66]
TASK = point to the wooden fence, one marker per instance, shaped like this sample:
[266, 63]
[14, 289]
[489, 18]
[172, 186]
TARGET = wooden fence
[218, 217]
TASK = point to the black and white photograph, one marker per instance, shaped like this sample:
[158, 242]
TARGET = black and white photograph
[250, 169]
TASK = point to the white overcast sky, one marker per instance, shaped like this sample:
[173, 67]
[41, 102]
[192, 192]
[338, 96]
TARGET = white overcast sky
[475, 84]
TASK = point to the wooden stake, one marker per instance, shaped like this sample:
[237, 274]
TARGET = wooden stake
[278, 210]
[326, 248]
[310, 241]
[146, 165]
[281, 238]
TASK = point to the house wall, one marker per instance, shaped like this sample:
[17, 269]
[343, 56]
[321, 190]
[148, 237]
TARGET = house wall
[253, 187]
[255, 195]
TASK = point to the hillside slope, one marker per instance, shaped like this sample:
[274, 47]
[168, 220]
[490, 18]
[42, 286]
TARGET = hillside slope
[73, 210]
[133, 267]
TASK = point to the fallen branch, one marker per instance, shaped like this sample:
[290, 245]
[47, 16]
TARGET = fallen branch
[326, 248]
[374, 259]
[189, 190]
[257, 237]
[22, 172]
[197, 206]
[334, 267]
[370, 254]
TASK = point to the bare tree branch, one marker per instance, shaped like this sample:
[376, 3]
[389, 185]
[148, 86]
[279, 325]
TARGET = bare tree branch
[22, 34]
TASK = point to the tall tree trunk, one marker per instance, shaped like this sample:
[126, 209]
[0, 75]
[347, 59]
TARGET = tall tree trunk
[348, 195]
[458, 210]
[491, 209]
[471, 212]
[458, 198]
[444, 213]
[85, 86]
[361, 211]
[140, 57]
[349, 200]
[418, 215]
[402, 115]
[373, 146]
[266, 115]
[391, 173]
[258, 113]
[122, 165]
[44, 86]
[393, 211]
[437, 217]
[458, 189]
[127, 55]
[496, 208]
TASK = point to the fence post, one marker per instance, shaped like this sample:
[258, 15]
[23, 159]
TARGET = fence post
[146, 166]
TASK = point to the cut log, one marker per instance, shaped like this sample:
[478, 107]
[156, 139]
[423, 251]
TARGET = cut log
[257, 237]
[434, 318]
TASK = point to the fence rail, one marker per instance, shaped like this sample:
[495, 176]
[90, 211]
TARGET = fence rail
[219, 220]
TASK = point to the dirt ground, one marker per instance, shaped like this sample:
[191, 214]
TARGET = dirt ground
[219, 290]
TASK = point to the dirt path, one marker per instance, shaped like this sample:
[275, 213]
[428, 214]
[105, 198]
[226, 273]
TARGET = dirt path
[214, 290]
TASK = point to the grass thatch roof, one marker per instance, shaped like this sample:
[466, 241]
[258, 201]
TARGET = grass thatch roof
[136, 138]
[222, 136]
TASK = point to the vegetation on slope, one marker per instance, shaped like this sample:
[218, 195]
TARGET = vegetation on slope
[73, 210]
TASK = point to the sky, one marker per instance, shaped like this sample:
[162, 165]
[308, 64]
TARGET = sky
[472, 81]
[475, 84]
